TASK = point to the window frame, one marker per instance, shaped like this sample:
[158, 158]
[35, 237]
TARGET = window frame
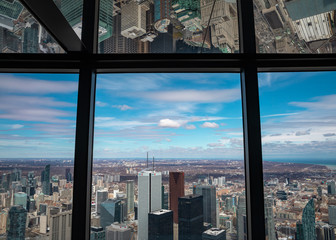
[88, 63]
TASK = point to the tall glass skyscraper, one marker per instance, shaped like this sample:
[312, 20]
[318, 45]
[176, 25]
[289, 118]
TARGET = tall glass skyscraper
[45, 179]
[72, 11]
[101, 196]
[16, 223]
[20, 198]
[110, 212]
[209, 203]
[308, 221]
[160, 225]
[190, 214]
[130, 196]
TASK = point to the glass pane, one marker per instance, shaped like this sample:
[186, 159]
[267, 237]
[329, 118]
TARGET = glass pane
[21, 33]
[295, 26]
[298, 120]
[73, 12]
[168, 26]
[37, 135]
[168, 157]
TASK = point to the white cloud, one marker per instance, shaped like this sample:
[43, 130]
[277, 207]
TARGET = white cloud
[190, 127]
[210, 125]
[17, 84]
[101, 104]
[168, 123]
[17, 126]
[196, 96]
[123, 107]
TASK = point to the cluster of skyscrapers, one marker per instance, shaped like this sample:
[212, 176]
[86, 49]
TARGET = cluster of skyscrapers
[35, 206]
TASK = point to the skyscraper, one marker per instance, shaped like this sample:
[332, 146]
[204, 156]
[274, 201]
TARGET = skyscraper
[101, 196]
[68, 175]
[269, 219]
[190, 214]
[31, 184]
[20, 198]
[73, 10]
[30, 36]
[176, 190]
[60, 225]
[97, 233]
[308, 221]
[110, 212]
[160, 225]
[45, 179]
[331, 187]
[165, 198]
[241, 212]
[149, 199]
[130, 196]
[162, 13]
[209, 203]
[332, 214]
[118, 232]
[133, 20]
[16, 223]
[214, 234]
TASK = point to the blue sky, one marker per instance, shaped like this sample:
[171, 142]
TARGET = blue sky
[169, 115]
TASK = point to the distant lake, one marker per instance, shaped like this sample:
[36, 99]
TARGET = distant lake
[330, 163]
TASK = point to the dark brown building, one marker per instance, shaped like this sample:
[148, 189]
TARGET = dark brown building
[176, 190]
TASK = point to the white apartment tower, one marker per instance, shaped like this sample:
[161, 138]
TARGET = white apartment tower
[133, 20]
[149, 200]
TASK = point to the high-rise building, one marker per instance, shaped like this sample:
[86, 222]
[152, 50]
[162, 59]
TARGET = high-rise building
[269, 219]
[162, 12]
[165, 198]
[319, 191]
[209, 203]
[20, 198]
[118, 43]
[332, 214]
[241, 212]
[31, 184]
[68, 175]
[160, 225]
[190, 214]
[214, 234]
[176, 190]
[9, 11]
[133, 20]
[45, 179]
[97, 233]
[308, 221]
[16, 223]
[299, 231]
[130, 196]
[328, 232]
[149, 199]
[73, 11]
[60, 225]
[30, 39]
[331, 187]
[118, 232]
[3, 220]
[110, 212]
[101, 196]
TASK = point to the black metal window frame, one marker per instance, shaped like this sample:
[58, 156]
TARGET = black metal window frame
[82, 58]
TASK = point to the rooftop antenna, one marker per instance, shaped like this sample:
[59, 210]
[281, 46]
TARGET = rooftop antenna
[147, 159]
[153, 162]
